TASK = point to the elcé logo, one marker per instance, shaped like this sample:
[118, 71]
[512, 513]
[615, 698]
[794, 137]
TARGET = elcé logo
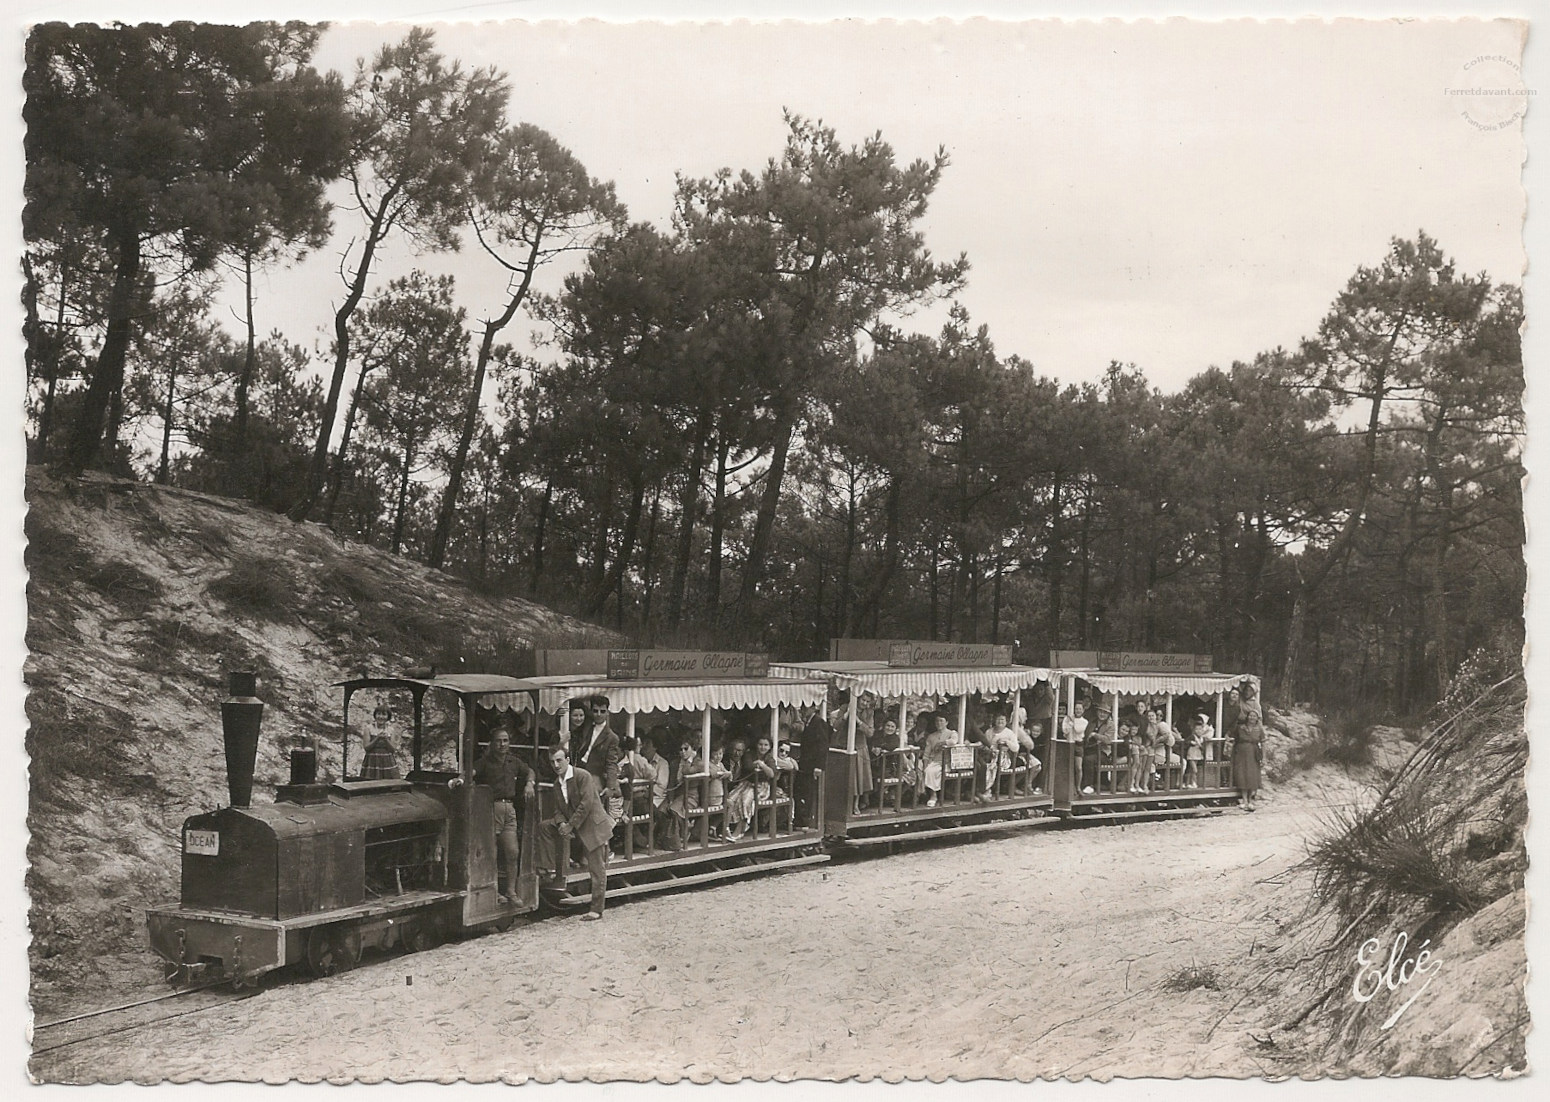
[1401, 970]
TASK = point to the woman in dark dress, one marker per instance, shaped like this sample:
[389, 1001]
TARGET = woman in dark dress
[1247, 748]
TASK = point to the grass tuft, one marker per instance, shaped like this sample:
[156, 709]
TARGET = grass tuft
[1192, 978]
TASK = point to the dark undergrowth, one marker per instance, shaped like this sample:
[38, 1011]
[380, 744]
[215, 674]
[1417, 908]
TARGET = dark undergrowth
[74, 742]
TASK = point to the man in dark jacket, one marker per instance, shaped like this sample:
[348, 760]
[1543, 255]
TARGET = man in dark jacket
[578, 814]
[816, 736]
[596, 748]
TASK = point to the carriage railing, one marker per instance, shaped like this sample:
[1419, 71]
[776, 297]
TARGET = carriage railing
[895, 775]
[899, 779]
[1114, 769]
[697, 822]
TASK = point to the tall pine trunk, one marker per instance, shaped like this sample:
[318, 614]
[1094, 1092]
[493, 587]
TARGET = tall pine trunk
[169, 407]
[614, 578]
[317, 471]
[868, 605]
[718, 528]
[540, 527]
[688, 510]
[336, 471]
[1055, 558]
[1084, 585]
[769, 502]
[107, 381]
[465, 440]
[239, 419]
[403, 502]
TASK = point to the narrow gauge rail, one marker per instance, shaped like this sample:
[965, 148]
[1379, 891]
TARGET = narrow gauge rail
[108, 1021]
[329, 870]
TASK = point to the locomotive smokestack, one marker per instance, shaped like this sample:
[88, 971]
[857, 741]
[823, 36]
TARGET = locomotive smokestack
[240, 716]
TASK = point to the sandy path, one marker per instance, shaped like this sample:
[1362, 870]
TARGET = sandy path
[1041, 953]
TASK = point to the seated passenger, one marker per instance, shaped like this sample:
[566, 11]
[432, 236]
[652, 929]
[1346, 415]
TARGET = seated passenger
[887, 746]
[931, 753]
[753, 784]
[1028, 743]
[1098, 750]
[659, 773]
[739, 798]
[1001, 745]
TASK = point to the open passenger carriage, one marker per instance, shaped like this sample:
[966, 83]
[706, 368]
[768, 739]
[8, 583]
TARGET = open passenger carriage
[1116, 768]
[943, 784]
[703, 700]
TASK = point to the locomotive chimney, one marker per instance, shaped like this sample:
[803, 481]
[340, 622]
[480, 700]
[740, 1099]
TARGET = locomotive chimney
[240, 716]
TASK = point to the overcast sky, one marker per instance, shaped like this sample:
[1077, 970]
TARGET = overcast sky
[1172, 194]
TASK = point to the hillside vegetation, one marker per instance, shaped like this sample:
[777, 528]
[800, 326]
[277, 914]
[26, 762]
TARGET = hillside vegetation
[1431, 849]
[141, 598]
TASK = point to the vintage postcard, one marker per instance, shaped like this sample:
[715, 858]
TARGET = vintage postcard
[823, 549]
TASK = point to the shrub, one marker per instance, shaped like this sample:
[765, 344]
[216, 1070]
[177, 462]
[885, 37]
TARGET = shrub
[1347, 738]
[51, 549]
[124, 583]
[353, 581]
[1417, 851]
[256, 589]
[84, 742]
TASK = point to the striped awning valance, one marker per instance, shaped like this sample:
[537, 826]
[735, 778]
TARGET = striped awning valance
[687, 696]
[896, 681]
[1200, 684]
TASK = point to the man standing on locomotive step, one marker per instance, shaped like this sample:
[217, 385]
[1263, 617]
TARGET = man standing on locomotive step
[579, 814]
[511, 785]
[595, 748]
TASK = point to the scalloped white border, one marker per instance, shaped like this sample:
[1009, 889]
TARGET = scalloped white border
[13, 792]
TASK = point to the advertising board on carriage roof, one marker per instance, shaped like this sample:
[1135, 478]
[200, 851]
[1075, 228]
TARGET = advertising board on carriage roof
[1130, 661]
[920, 653]
[686, 665]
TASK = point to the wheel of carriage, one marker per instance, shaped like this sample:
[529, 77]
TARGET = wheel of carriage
[332, 950]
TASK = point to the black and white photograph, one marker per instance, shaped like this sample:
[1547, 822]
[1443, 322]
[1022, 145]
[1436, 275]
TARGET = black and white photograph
[715, 549]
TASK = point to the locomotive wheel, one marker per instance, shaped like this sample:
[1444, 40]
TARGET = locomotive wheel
[424, 933]
[332, 950]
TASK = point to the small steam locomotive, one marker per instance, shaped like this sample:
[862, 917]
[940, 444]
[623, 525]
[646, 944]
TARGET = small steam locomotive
[330, 869]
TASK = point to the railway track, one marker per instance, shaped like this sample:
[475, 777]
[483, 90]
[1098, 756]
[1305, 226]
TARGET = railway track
[107, 1021]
